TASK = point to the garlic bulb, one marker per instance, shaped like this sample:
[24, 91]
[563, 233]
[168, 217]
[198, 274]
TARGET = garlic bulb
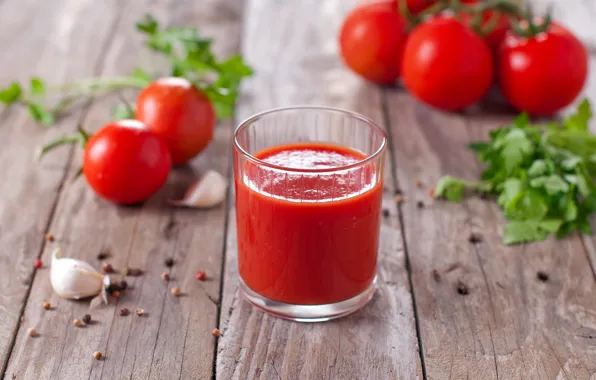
[209, 191]
[74, 279]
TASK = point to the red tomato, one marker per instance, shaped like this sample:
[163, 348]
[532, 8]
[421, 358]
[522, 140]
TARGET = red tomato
[372, 39]
[542, 74]
[446, 64]
[126, 163]
[176, 110]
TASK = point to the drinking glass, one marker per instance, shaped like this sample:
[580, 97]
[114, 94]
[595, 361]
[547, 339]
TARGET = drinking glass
[308, 187]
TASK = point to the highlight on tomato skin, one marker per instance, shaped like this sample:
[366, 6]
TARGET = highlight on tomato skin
[371, 41]
[543, 74]
[446, 64]
[126, 163]
[180, 113]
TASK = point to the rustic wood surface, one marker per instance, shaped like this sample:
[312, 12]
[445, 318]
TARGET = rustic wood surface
[510, 326]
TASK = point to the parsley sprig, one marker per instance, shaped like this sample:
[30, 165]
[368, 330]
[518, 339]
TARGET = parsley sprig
[541, 175]
[189, 55]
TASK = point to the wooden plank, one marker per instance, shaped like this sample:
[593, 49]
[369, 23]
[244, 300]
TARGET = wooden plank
[379, 342]
[40, 38]
[173, 339]
[511, 325]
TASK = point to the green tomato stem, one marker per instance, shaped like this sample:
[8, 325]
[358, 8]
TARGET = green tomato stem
[93, 85]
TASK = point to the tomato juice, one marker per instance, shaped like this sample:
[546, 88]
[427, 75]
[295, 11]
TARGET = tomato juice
[308, 222]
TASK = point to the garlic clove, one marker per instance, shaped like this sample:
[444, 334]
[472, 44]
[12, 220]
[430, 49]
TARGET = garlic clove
[209, 191]
[74, 279]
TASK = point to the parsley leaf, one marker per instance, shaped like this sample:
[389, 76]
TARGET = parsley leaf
[11, 94]
[541, 174]
[40, 114]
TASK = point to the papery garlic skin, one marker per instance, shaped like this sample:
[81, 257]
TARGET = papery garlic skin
[74, 279]
[209, 191]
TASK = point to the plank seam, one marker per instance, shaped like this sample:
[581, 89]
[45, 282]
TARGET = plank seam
[228, 205]
[393, 164]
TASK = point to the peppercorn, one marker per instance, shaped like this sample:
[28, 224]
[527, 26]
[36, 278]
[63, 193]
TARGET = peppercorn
[169, 262]
[86, 319]
[77, 322]
[32, 332]
[542, 276]
[102, 255]
[134, 272]
[164, 276]
[107, 268]
[47, 306]
[175, 292]
[420, 204]
[124, 271]
[386, 212]
[50, 237]
[139, 311]
[97, 355]
[419, 183]
[201, 275]
[399, 199]
[115, 294]
[475, 238]
[123, 285]
[462, 289]
[124, 312]
[216, 332]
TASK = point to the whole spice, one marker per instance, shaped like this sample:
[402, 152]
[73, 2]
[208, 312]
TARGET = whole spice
[169, 262]
[542, 276]
[86, 319]
[164, 276]
[216, 332]
[32, 332]
[386, 212]
[115, 294]
[139, 311]
[124, 312]
[50, 237]
[75, 279]
[209, 191]
[47, 306]
[107, 268]
[475, 238]
[419, 183]
[123, 285]
[124, 271]
[134, 272]
[38, 263]
[201, 275]
[175, 292]
[77, 322]
[462, 289]
[420, 204]
[399, 199]
[436, 275]
[97, 355]
[102, 255]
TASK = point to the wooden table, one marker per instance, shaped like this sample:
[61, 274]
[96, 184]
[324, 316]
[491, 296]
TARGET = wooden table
[509, 326]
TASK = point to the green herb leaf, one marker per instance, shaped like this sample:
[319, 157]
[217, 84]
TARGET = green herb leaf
[538, 168]
[11, 94]
[38, 87]
[139, 73]
[579, 120]
[148, 24]
[552, 184]
[521, 231]
[450, 188]
[550, 225]
[40, 114]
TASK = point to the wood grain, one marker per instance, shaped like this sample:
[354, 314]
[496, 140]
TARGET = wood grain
[173, 339]
[299, 64]
[43, 39]
[511, 325]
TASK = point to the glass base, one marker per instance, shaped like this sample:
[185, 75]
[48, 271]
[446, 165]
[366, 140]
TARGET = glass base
[309, 313]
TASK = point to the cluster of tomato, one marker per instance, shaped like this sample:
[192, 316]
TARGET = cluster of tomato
[127, 161]
[451, 57]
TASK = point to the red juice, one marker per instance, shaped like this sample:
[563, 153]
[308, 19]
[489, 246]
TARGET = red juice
[308, 238]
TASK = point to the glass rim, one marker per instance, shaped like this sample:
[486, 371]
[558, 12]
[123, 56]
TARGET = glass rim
[369, 158]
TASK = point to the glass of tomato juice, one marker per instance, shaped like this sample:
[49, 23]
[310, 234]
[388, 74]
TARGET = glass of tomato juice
[308, 185]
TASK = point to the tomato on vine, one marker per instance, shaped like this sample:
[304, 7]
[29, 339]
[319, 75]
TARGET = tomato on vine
[446, 64]
[372, 39]
[126, 163]
[180, 113]
[542, 68]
